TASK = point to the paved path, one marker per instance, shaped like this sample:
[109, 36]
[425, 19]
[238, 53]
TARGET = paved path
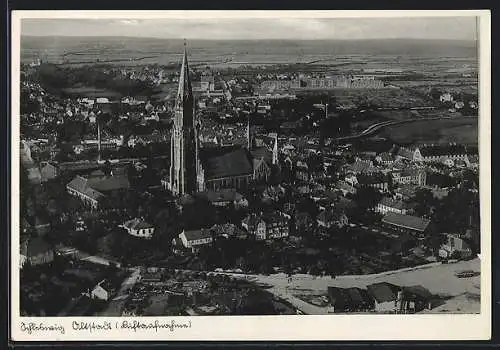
[115, 306]
[438, 279]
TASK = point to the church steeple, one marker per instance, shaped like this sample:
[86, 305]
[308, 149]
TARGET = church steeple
[184, 144]
[185, 91]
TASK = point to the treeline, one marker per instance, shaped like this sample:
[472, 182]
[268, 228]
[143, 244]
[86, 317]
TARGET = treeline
[55, 79]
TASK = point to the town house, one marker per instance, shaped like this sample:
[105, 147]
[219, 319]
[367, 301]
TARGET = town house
[195, 239]
[139, 228]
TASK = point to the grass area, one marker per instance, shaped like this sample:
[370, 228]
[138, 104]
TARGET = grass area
[459, 130]
[91, 92]
[387, 98]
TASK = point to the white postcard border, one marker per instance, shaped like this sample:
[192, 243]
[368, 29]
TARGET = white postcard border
[307, 327]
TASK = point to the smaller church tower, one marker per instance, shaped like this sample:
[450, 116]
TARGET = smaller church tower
[249, 138]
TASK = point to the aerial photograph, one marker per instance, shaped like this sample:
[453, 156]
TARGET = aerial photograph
[249, 166]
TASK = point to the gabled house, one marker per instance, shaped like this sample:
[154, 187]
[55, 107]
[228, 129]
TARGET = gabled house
[344, 300]
[102, 291]
[454, 244]
[139, 228]
[415, 299]
[195, 239]
[271, 225]
[385, 296]
[91, 190]
[255, 225]
[49, 171]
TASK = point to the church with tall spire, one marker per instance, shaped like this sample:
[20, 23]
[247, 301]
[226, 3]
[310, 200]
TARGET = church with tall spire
[184, 142]
[195, 169]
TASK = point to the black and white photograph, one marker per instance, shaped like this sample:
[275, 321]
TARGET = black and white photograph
[249, 164]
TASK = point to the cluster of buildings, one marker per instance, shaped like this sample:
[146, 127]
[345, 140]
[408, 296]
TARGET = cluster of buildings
[380, 297]
[338, 82]
[218, 163]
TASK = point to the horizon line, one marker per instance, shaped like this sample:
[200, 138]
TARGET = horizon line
[240, 39]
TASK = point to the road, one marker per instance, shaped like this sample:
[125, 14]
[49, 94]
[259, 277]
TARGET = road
[372, 129]
[439, 280]
[81, 255]
[115, 306]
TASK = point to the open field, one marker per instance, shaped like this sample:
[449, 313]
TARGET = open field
[459, 130]
[383, 98]
[90, 92]
[358, 54]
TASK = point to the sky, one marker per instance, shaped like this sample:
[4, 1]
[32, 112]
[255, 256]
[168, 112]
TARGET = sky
[458, 28]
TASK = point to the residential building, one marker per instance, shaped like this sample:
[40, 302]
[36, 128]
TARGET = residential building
[92, 189]
[225, 197]
[385, 158]
[332, 218]
[346, 188]
[454, 243]
[36, 251]
[361, 166]
[435, 153]
[344, 300]
[195, 239]
[255, 226]
[102, 291]
[228, 231]
[407, 223]
[377, 181]
[385, 296]
[49, 171]
[446, 97]
[272, 225]
[415, 299]
[139, 228]
[410, 176]
[388, 204]
[277, 225]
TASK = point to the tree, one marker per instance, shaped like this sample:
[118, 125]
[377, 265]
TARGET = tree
[367, 198]
[307, 205]
[426, 202]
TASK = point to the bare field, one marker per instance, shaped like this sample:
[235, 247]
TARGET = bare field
[459, 130]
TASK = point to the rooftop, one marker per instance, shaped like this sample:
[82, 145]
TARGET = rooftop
[137, 224]
[407, 221]
[383, 292]
[193, 235]
[226, 162]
